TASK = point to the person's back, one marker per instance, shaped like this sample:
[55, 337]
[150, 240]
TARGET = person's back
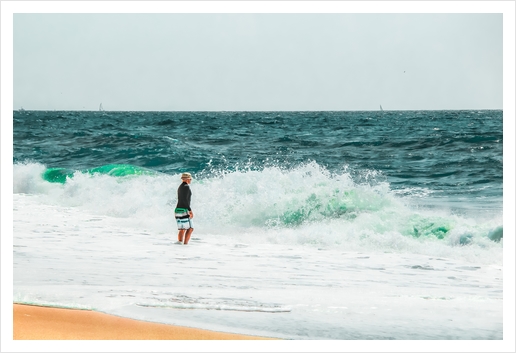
[184, 196]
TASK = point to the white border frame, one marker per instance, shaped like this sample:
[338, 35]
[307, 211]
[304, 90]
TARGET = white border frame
[8, 8]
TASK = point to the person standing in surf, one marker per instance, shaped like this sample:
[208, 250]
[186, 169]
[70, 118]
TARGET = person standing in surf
[183, 211]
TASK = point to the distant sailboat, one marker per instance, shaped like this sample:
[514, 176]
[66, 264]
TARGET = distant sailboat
[101, 108]
[381, 108]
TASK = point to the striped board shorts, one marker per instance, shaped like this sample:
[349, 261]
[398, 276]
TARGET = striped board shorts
[183, 219]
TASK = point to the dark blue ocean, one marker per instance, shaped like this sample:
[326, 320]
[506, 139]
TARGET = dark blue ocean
[276, 195]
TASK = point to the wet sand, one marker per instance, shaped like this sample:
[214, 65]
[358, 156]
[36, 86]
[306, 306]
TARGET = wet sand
[44, 323]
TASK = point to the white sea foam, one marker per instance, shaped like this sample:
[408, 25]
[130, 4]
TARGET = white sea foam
[298, 253]
[278, 281]
[302, 206]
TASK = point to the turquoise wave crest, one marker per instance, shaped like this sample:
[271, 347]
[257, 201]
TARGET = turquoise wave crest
[60, 175]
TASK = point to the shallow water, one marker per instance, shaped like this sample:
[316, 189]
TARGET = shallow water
[64, 257]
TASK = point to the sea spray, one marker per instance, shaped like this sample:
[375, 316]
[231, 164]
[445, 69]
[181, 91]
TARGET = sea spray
[303, 205]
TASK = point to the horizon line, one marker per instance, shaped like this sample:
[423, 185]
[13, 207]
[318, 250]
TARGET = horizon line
[251, 111]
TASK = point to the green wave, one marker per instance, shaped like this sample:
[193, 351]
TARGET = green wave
[57, 175]
[496, 234]
[120, 170]
[425, 227]
[344, 204]
[60, 175]
[348, 205]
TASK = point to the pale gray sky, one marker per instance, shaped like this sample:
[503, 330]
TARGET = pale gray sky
[257, 61]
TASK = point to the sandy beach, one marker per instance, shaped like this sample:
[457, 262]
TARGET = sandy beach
[44, 323]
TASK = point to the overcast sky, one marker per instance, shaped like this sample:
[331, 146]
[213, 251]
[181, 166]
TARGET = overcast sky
[257, 61]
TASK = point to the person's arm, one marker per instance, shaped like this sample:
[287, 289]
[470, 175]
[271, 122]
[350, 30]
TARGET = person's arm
[189, 197]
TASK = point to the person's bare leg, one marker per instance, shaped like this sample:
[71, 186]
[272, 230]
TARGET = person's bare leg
[187, 236]
[181, 235]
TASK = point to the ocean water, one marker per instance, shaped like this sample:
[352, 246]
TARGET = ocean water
[355, 225]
